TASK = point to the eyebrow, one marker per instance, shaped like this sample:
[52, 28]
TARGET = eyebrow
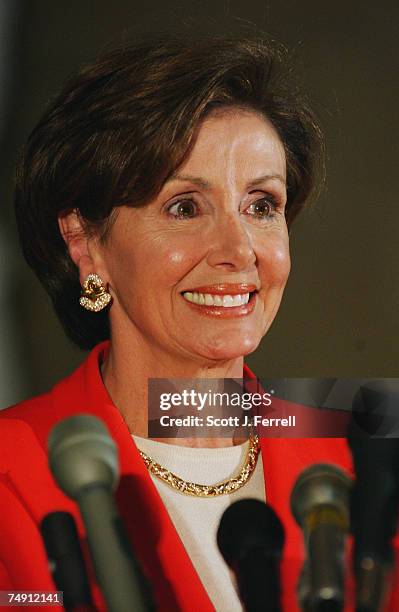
[204, 184]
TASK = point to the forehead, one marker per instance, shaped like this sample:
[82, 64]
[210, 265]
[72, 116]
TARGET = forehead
[236, 139]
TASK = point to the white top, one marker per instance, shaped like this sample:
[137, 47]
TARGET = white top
[196, 519]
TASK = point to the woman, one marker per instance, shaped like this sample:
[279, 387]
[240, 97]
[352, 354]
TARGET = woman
[158, 188]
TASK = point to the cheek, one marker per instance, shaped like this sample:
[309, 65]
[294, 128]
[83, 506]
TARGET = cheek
[170, 263]
[176, 257]
[283, 261]
[275, 263]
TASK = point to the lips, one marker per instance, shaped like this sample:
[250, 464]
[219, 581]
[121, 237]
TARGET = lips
[224, 289]
[222, 300]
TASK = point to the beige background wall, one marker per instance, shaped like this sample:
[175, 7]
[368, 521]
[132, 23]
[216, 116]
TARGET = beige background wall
[340, 312]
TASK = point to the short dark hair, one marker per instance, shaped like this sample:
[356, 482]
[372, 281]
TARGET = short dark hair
[122, 126]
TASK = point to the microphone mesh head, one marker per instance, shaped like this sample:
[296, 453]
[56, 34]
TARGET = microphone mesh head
[246, 525]
[321, 485]
[82, 454]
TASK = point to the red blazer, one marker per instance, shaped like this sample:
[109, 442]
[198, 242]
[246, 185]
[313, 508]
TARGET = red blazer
[28, 492]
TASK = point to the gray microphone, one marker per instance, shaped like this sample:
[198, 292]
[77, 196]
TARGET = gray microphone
[83, 460]
[320, 506]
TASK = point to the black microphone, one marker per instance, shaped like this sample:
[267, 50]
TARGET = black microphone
[374, 516]
[83, 460]
[66, 562]
[251, 538]
[320, 506]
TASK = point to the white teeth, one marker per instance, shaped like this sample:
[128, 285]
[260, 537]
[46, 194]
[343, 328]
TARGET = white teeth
[207, 299]
[228, 301]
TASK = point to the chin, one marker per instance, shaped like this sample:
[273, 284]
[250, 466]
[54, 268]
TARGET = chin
[228, 349]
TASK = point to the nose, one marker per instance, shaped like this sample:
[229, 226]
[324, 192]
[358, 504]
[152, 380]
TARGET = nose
[231, 244]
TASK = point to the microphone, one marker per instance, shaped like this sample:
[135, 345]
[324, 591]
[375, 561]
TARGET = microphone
[83, 460]
[320, 506]
[374, 515]
[66, 562]
[251, 538]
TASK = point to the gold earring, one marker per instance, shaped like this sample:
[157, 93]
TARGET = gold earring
[94, 294]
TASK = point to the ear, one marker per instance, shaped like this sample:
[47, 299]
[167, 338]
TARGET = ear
[78, 242]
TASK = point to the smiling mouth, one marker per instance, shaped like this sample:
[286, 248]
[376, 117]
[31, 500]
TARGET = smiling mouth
[222, 299]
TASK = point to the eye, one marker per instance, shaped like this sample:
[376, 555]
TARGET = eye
[183, 209]
[261, 209]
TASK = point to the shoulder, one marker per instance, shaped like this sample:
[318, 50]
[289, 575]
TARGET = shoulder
[25, 424]
[27, 491]
[27, 410]
[33, 418]
[26, 484]
[35, 415]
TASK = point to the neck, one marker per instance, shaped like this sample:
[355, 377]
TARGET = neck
[129, 367]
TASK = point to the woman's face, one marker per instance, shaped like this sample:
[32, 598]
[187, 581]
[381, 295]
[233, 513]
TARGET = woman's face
[215, 232]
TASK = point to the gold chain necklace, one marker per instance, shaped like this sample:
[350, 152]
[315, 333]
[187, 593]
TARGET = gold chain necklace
[200, 490]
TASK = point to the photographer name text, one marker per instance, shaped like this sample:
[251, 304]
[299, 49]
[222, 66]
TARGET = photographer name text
[231, 421]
